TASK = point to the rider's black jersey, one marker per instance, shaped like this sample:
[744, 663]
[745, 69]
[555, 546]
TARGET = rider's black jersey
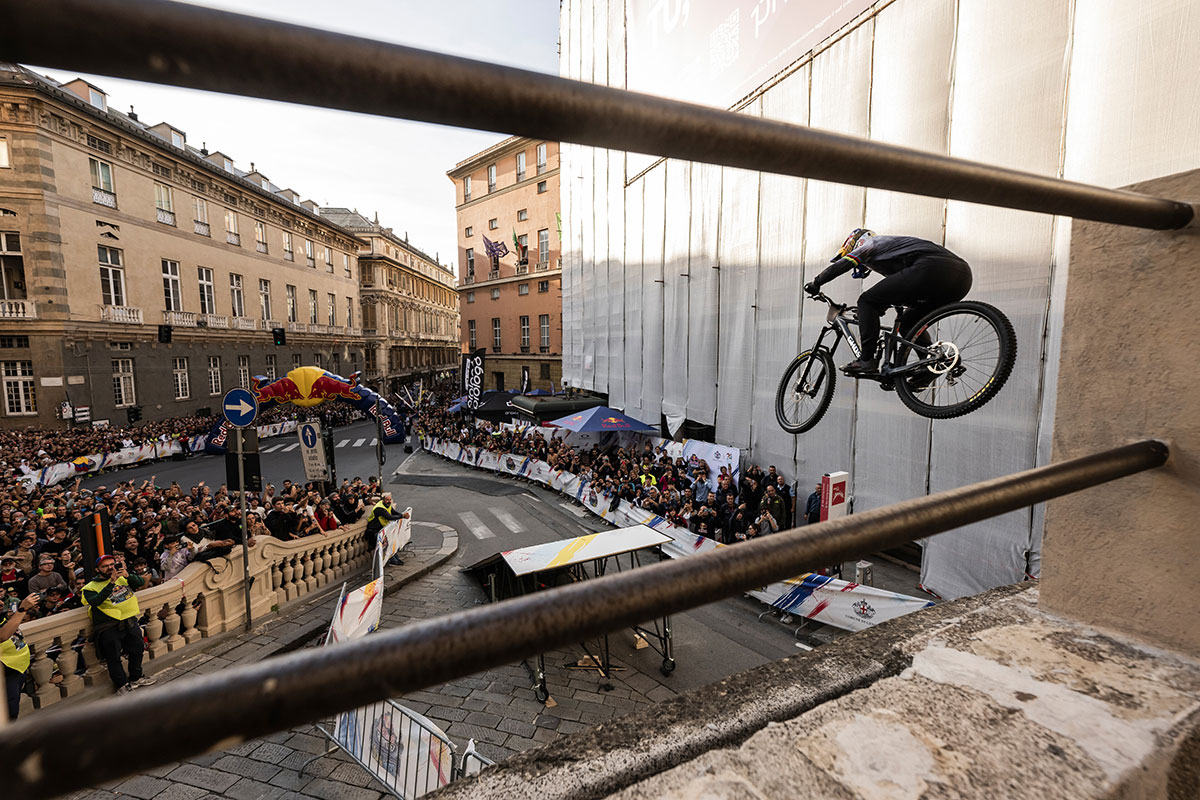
[886, 255]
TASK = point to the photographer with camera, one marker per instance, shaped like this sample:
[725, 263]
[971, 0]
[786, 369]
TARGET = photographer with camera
[114, 611]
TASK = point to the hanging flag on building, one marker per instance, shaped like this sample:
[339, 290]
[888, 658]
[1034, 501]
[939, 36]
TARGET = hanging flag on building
[558, 219]
[494, 249]
[517, 246]
[524, 380]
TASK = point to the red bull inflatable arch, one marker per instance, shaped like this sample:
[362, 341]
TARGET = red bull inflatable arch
[311, 386]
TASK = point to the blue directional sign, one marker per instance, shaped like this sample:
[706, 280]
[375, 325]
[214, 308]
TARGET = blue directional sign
[309, 435]
[239, 407]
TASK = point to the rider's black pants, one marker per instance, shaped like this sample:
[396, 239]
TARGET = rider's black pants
[929, 283]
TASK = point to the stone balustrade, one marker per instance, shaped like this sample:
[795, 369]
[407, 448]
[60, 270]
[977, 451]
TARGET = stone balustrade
[203, 600]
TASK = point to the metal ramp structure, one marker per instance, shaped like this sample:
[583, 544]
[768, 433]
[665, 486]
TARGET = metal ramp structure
[515, 573]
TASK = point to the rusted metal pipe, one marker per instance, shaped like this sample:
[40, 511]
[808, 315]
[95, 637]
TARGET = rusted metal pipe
[202, 48]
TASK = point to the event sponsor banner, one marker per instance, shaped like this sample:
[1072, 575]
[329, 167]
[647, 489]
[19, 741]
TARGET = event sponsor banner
[835, 495]
[357, 613]
[488, 460]
[472, 377]
[849, 606]
[395, 535]
[823, 599]
[404, 750]
[539, 557]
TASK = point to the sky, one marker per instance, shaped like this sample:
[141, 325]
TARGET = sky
[394, 167]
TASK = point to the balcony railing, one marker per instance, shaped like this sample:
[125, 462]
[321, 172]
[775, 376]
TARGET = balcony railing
[288, 255]
[233, 238]
[297, 327]
[212, 321]
[18, 309]
[316, 327]
[545, 348]
[542, 266]
[524, 348]
[312, 262]
[182, 319]
[124, 314]
[244, 324]
[522, 269]
[260, 247]
[201, 228]
[165, 217]
[353, 331]
[493, 275]
[268, 324]
[103, 197]
[469, 279]
[369, 332]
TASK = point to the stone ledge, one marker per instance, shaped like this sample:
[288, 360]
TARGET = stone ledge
[982, 697]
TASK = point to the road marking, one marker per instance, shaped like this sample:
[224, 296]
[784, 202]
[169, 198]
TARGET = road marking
[374, 442]
[291, 447]
[342, 443]
[579, 512]
[535, 499]
[272, 449]
[476, 525]
[508, 520]
[404, 463]
[359, 443]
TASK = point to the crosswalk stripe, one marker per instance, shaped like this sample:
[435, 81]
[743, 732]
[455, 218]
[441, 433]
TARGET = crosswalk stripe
[476, 526]
[272, 449]
[291, 447]
[508, 520]
[579, 512]
[359, 443]
[374, 442]
[342, 443]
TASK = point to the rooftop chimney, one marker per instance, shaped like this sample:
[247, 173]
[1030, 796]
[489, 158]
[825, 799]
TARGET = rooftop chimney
[204, 148]
[132, 114]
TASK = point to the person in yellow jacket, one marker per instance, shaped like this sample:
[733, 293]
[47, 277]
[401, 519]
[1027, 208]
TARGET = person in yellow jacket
[114, 611]
[14, 653]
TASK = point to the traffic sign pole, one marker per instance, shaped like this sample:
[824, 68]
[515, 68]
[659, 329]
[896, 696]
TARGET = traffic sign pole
[239, 441]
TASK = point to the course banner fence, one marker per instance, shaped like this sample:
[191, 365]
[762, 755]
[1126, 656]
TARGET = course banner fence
[841, 604]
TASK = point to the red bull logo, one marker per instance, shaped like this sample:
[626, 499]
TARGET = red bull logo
[305, 387]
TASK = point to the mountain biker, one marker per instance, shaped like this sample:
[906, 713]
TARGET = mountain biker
[919, 276]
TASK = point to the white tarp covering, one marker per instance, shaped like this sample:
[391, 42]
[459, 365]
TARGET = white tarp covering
[1096, 91]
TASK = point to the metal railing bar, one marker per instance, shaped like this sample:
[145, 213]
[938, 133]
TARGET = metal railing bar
[52, 754]
[201, 48]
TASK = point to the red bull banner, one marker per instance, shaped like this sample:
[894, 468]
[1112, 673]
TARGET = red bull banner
[310, 386]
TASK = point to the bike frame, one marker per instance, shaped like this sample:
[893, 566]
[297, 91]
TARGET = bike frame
[838, 322]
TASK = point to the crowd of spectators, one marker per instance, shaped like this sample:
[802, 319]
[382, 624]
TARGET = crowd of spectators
[757, 503]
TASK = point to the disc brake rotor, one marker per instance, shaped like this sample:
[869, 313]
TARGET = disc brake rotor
[947, 356]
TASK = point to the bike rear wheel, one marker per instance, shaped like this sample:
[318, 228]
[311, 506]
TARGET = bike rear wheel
[800, 406]
[976, 348]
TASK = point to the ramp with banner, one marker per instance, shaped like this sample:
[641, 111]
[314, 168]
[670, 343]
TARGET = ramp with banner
[513, 573]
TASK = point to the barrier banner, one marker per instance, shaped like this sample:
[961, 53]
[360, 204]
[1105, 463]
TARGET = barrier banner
[849, 606]
[395, 535]
[540, 471]
[357, 613]
[599, 503]
[488, 460]
[404, 750]
[514, 465]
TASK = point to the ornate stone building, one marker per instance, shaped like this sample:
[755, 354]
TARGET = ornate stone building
[138, 271]
[409, 304]
[511, 304]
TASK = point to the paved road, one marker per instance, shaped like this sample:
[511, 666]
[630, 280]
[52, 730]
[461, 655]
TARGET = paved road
[354, 454]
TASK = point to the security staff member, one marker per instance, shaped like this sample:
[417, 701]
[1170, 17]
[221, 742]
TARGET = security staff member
[14, 653]
[381, 514]
[114, 610]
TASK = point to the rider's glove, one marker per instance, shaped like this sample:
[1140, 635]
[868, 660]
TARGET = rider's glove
[812, 288]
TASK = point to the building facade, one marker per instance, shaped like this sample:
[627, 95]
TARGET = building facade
[511, 303]
[409, 305]
[142, 272]
[683, 282]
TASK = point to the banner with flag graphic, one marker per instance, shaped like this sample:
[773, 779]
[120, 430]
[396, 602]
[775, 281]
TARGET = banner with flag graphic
[494, 249]
[357, 613]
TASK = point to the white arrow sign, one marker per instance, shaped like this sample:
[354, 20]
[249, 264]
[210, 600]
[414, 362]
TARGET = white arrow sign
[241, 407]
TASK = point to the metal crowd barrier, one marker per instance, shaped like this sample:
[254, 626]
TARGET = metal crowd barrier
[51, 754]
[186, 45]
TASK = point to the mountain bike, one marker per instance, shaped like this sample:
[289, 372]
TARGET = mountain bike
[952, 362]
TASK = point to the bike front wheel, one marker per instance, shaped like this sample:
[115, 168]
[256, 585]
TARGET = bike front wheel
[973, 346]
[805, 392]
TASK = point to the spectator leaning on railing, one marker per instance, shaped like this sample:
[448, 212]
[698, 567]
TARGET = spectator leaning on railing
[14, 653]
[114, 611]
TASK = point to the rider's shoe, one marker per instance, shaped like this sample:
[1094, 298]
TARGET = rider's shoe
[861, 367]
